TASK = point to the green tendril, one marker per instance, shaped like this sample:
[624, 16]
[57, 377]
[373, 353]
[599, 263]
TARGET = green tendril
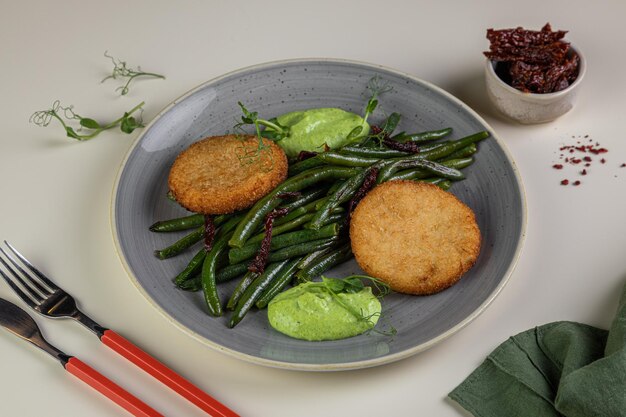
[122, 70]
[354, 284]
[261, 154]
[87, 128]
[272, 131]
[376, 87]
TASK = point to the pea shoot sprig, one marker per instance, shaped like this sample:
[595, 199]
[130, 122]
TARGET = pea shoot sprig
[351, 285]
[122, 70]
[273, 131]
[87, 127]
[376, 86]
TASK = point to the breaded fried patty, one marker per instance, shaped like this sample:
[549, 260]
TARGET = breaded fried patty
[414, 236]
[211, 177]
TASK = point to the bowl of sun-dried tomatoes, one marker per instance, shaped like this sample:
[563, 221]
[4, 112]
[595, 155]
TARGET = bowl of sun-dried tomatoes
[532, 76]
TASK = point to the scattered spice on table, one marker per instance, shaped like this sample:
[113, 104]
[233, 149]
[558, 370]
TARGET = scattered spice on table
[584, 152]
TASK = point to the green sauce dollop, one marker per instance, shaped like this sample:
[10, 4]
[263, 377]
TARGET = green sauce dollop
[310, 130]
[310, 312]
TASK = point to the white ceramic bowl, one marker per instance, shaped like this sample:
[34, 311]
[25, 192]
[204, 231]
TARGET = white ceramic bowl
[529, 108]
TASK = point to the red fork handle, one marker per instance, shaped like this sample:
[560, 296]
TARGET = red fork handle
[164, 374]
[109, 389]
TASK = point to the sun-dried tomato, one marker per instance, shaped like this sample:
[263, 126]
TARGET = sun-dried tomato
[305, 155]
[533, 61]
[410, 147]
[368, 183]
[209, 232]
[260, 260]
[521, 38]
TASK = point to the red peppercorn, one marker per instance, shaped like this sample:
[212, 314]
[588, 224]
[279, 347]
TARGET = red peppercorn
[564, 182]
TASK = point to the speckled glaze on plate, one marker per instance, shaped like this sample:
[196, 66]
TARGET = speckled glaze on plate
[492, 189]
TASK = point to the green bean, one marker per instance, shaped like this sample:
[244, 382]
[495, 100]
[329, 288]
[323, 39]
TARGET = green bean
[179, 223]
[300, 211]
[433, 167]
[434, 154]
[277, 285]
[412, 174]
[180, 245]
[190, 239]
[256, 214]
[434, 180]
[333, 187]
[237, 255]
[321, 203]
[444, 185]
[306, 198]
[313, 257]
[428, 147]
[185, 223]
[326, 262]
[464, 152]
[254, 290]
[372, 152]
[209, 266]
[301, 249]
[192, 284]
[381, 152]
[253, 219]
[239, 290]
[304, 165]
[424, 136]
[282, 228]
[338, 216]
[340, 159]
[453, 146]
[458, 163]
[231, 271]
[343, 194]
[193, 267]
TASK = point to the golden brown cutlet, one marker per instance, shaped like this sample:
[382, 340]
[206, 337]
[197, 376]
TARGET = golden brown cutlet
[213, 175]
[414, 236]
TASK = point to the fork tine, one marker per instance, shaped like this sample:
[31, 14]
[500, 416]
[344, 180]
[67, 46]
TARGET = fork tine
[51, 285]
[25, 297]
[36, 288]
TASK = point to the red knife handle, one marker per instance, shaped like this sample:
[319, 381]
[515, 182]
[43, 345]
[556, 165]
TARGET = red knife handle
[109, 389]
[164, 374]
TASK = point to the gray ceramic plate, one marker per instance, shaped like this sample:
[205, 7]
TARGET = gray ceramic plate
[493, 190]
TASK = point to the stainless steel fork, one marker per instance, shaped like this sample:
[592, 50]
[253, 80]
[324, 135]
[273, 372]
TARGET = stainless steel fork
[18, 322]
[48, 299]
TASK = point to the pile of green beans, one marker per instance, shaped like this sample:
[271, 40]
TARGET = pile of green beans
[312, 238]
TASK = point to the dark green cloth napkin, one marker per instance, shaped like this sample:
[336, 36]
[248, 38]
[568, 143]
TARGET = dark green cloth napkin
[558, 369]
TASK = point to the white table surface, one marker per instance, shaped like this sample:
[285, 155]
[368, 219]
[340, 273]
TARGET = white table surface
[56, 192]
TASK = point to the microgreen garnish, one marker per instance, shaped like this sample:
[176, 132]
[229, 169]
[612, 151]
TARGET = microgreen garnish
[376, 86]
[122, 70]
[65, 115]
[382, 134]
[273, 131]
[351, 285]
